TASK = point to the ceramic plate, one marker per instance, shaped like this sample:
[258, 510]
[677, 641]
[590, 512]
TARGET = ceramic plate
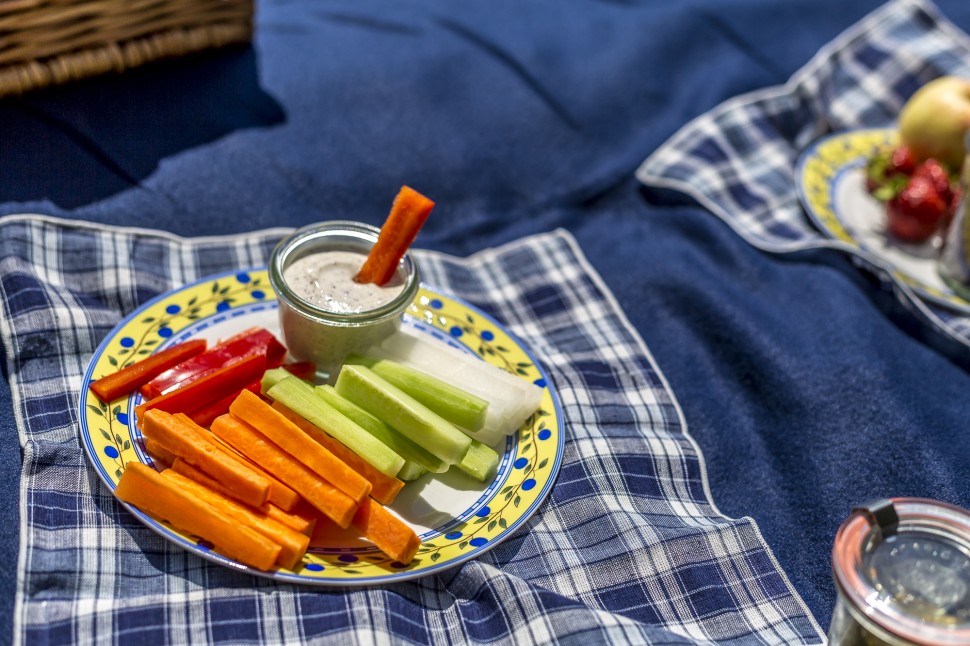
[456, 517]
[831, 185]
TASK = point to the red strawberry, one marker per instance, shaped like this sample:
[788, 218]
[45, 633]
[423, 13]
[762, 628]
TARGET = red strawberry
[902, 161]
[917, 211]
[939, 175]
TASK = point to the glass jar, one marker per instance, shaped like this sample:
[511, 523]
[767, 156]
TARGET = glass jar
[324, 335]
[954, 263]
[902, 570]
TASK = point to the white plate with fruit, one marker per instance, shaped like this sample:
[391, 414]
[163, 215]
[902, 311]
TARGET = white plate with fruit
[891, 191]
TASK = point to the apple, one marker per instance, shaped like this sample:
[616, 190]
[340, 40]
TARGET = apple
[935, 120]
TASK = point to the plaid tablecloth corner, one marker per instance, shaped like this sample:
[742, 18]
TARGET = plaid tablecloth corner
[628, 547]
[739, 159]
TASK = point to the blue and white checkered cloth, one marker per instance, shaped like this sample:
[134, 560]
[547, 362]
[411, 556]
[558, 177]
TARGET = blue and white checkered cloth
[739, 160]
[628, 548]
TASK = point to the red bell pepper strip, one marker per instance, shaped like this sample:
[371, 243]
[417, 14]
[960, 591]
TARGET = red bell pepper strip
[245, 344]
[408, 213]
[204, 414]
[212, 387]
[133, 376]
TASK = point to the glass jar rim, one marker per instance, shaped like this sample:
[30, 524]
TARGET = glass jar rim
[859, 533]
[347, 234]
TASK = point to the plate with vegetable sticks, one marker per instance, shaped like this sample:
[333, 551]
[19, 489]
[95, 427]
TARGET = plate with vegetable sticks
[455, 517]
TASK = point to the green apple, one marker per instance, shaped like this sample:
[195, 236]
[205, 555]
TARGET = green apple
[935, 120]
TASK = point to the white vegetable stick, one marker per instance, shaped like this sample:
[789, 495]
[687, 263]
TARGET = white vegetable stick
[511, 399]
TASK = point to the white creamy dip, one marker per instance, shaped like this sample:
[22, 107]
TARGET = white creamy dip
[326, 279]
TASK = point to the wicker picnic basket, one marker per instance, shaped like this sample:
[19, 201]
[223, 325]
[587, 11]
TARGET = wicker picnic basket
[46, 42]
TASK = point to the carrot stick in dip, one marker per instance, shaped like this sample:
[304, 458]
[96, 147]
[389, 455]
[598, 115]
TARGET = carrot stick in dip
[133, 376]
[408, 213]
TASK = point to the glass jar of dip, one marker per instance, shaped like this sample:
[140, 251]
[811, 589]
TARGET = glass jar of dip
[324, 314]
[902, 570]
[954, 263]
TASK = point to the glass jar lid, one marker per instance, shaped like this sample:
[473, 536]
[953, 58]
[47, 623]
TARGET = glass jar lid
[903, 567]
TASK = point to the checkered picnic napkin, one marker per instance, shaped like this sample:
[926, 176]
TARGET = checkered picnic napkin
[627, 548]
[739, 160]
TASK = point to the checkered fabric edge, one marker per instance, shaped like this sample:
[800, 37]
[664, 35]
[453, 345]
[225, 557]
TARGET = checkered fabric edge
[628, 547]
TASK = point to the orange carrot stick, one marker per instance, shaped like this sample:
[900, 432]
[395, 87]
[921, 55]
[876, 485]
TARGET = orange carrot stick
[216, 385]
[386, 531]
[159, 453]
[326, 498]
[188, 441]
[142, 486]
[297, 519]
[253, 410]
[408, 213]
[279, 494]
[132, 377]
[292, 542]
[385, 487]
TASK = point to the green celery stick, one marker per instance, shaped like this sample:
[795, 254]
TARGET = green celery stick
[413, 419]
[411, 471]
[410, 451]
[480, 462]
[456, 405]
[298, 396]
[272, 377]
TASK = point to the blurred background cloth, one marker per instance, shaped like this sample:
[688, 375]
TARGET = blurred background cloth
[805, 387]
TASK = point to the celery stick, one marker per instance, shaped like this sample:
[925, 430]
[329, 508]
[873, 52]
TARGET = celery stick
[410, 451]
[480, 462]
[456, 405]
[403, 412]
[298, 396]
[411, 471]
[272, 377]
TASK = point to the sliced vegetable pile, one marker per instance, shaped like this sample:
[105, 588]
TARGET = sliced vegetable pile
[263, 463]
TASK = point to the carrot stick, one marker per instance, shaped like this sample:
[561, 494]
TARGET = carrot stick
[408, 213]
[279, 494]
[216, 385]
[391, 535]
[253, 410]
[292, 542]
[385, 487]
[375, 523]
[188, 441]
[142, 486]
[204, 415]
[326, 498]
[297, 519]
[131, 377]
[159, 453]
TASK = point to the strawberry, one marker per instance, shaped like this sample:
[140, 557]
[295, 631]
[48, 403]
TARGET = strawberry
[887, 172]
[902, 161]
[939, 175]
[917, 211]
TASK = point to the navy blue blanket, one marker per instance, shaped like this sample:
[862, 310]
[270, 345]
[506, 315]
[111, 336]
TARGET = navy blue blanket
[805, 387]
